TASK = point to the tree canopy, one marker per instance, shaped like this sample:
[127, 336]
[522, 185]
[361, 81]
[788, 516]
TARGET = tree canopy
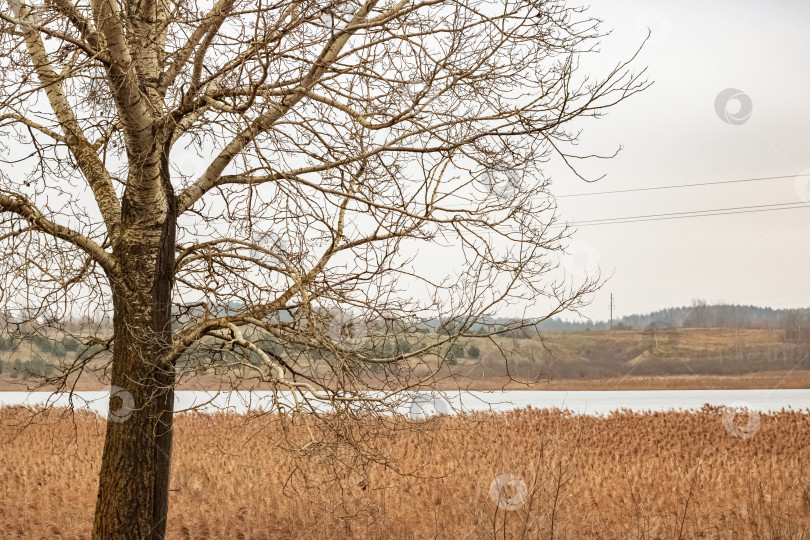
[208, 183]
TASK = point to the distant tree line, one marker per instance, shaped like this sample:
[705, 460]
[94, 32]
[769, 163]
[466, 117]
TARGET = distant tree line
[700, 314]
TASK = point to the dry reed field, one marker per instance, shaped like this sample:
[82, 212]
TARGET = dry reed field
[524, 474]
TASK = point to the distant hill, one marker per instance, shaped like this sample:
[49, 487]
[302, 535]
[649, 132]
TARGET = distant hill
[700, 315]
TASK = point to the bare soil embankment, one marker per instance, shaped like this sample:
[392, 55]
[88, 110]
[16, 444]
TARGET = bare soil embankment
[665, 359]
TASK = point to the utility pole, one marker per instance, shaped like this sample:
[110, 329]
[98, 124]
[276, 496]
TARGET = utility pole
[611, 311]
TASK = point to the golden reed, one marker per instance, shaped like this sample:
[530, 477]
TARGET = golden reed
[523, 474]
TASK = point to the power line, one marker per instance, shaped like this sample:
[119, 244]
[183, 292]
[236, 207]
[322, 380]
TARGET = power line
[697, 211]
[653, 188]
[692, 214]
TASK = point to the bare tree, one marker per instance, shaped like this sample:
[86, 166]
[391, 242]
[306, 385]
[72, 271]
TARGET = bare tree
[244, 188]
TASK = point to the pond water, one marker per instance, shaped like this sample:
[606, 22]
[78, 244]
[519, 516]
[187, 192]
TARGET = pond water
[423, 404]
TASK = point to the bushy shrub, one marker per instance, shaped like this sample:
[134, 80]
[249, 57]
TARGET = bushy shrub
[31, 368]
[70, 344]
[403, 345]
[9, 344]
[42, 343]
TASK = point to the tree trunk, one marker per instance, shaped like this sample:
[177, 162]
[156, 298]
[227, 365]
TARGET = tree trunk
[133, 493]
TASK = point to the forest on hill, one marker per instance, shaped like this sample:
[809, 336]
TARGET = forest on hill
[699, 315]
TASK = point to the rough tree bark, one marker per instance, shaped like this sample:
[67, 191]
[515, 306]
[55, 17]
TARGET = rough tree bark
[134, 478]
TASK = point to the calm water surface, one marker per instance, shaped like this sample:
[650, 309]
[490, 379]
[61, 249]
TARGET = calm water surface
[585, 402]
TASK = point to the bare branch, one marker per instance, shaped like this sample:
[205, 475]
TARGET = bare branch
[23, 208]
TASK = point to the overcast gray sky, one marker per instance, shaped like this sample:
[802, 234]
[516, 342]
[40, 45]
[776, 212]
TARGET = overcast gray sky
[672, 135]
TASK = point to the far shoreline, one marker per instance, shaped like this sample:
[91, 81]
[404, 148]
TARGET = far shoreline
[766, 380]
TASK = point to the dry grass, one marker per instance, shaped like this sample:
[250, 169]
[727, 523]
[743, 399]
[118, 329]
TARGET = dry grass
[796, 379]
[675, 352]
[666, 475]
